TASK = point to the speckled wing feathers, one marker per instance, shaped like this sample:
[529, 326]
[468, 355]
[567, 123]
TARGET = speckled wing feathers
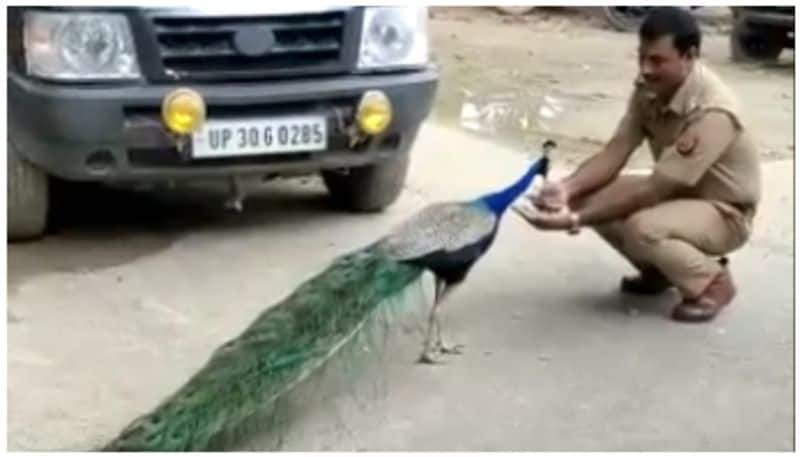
[447, 226]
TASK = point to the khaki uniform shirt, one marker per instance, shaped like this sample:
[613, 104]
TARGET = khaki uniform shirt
[698, 140]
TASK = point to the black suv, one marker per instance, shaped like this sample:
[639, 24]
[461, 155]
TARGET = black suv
[761, 33]
[132, 96]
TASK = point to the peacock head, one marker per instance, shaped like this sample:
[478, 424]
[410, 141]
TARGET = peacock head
[498, 202]
[547, 147]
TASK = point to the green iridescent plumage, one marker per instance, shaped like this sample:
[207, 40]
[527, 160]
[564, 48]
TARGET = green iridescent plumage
[281, 348]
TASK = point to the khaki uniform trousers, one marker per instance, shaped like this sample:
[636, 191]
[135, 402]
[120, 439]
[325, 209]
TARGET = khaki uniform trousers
[682, 238]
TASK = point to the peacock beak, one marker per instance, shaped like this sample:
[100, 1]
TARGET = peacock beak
[548, 147]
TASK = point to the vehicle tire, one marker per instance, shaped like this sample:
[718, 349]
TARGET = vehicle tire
[625, 18]
[371, 188]
[514, 10]
[750, 44]
[28, 198]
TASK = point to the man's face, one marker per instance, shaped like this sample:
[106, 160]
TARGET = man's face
[662, 67]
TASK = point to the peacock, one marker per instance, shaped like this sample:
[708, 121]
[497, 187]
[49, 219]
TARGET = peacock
[293, 339]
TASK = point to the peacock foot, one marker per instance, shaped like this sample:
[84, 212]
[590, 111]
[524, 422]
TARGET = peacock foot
[428, 358]
[451, 350]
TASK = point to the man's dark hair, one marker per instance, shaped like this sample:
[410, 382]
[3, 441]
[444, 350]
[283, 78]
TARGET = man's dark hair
[671, 21]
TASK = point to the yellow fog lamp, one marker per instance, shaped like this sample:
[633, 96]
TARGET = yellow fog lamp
[374, 112]
[183, 111]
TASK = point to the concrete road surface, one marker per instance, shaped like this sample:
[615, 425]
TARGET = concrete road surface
[114, 312]
[108, 318]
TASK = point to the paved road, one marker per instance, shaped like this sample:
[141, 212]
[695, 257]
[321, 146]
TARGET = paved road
[108, 317]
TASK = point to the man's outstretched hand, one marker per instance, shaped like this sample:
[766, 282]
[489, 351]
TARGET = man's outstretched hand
[548, 209]
[546, 220]
[552, 197]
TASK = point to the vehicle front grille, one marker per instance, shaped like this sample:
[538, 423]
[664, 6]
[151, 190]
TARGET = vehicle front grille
[214, 48]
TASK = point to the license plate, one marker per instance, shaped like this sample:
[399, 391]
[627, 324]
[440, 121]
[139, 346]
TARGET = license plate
[226, 138]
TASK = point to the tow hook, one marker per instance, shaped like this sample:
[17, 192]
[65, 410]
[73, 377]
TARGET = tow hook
[236, 195]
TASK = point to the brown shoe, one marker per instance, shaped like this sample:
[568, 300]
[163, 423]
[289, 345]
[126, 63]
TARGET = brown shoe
[649, 282]
[717, 295]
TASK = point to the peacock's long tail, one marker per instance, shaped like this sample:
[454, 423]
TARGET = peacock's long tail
[282, 347]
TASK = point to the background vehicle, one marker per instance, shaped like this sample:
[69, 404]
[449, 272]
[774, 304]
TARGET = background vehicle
[761, 33]
[139, 95]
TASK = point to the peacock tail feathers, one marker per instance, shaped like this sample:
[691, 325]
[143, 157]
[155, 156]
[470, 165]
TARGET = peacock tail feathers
[283, 346]
[332, 312]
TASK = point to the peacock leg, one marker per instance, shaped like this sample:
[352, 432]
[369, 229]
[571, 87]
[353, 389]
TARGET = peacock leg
[440, 344]
[428, 350]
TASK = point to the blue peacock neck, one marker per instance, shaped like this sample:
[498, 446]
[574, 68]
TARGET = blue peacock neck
[498, 202]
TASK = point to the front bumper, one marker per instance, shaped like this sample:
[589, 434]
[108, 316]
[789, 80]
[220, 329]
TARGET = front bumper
[114, 133]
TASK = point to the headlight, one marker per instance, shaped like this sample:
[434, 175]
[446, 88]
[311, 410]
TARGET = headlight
[77, 46]
[394, 37]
